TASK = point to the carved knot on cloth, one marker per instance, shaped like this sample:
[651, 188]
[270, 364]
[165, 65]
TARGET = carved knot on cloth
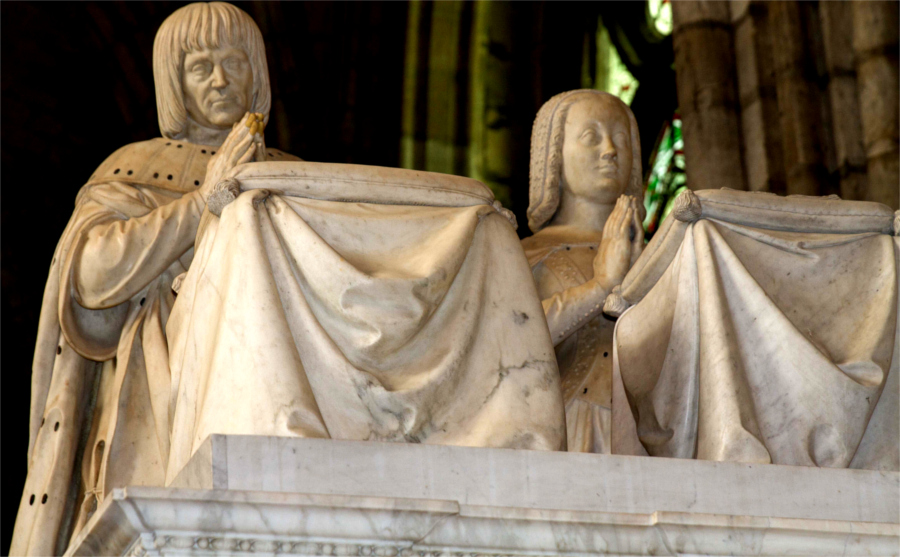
[223, 193]
[896, 223]
[687, 207]
[615, 305]
[506, 213]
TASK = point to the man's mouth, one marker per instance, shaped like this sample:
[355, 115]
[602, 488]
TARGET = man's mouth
[226, 100]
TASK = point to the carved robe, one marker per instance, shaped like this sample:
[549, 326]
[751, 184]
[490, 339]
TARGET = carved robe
[100, 380]
[585, 357]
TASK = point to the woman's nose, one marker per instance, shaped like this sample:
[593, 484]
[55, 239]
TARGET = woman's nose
[607, 149]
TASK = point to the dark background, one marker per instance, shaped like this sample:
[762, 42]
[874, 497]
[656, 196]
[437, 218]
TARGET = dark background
[77, 84]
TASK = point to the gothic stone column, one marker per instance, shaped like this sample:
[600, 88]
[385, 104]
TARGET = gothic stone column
[707, 94]
[875, 43]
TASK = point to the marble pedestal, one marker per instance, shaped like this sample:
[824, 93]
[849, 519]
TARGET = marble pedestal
[272, 495]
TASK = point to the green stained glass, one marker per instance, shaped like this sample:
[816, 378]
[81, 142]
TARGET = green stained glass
[666, 179]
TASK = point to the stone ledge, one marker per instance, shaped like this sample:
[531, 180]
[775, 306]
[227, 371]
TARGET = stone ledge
[540, 480]
[181, 522]
[273, 495]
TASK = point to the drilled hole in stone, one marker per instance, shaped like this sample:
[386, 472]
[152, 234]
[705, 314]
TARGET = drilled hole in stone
[44, 499]
[196, 182]
[56, 427]
[169, 176]
[58, 350]
[605, 354]
[116, 171]
[156, 174]
[31, 500]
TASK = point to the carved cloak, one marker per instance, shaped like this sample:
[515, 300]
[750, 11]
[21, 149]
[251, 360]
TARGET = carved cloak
[99, 407]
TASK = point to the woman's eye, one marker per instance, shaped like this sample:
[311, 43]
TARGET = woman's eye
[589, 137]
[232, 64]
[200, 69]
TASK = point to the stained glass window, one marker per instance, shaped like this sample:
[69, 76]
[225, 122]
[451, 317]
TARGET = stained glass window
[612, 74]
[666, 179]
[660, 14]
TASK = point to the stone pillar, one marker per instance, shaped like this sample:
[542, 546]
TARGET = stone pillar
[800, 102]
[448, 94]
[850, 159]
[707, 94]
[415, 85]
[762, 149]
[875, 43]
[436, 87]
[490, 138]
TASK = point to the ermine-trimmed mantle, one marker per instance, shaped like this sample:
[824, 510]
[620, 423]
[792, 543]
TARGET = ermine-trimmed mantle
[273, 495]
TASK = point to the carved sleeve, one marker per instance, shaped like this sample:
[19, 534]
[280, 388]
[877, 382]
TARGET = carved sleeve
[569, 310]
[134, 240]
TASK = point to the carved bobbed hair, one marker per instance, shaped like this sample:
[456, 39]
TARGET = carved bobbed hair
[547, 136]
[196, 27]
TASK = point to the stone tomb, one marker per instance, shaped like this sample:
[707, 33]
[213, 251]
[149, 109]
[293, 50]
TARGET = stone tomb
[281, 495]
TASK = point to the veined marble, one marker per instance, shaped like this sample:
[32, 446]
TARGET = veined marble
[325, 497]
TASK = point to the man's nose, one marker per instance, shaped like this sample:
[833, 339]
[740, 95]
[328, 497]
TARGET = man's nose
[218, 77]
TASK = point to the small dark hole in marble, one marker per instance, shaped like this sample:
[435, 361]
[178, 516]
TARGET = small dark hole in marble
[156, 174]
[212, 152]
[116, 171]
[44, 499]
[169, 176]
[42, 422]
[56, 427]
[130, 172]
[179, 146]
[568, 248]
[196, 182]
[143, 300]
[59, 350]
[31, 500]
[169, 143]
[585, 392]
[605, 354]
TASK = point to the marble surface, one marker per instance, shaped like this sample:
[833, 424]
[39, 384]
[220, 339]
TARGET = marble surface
[585, 209]
[100, 377]
[315, 497]
[541, 480]
[764, 329]
[366, 303]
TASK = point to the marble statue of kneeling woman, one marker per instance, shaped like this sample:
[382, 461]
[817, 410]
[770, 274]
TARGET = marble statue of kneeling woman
[585, 211]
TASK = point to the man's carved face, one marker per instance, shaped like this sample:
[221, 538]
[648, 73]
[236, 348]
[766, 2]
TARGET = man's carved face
[597, 155]
[218, 86]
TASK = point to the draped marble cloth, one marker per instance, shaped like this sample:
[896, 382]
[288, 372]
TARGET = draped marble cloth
[764, 330]
[361, 303]
[100, 379]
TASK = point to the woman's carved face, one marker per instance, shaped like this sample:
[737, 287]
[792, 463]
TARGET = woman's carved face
[218, 86]
[597, 157]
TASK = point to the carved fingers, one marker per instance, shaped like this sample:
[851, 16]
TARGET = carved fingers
[637, 232]
[621, 234]
[241, 146]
